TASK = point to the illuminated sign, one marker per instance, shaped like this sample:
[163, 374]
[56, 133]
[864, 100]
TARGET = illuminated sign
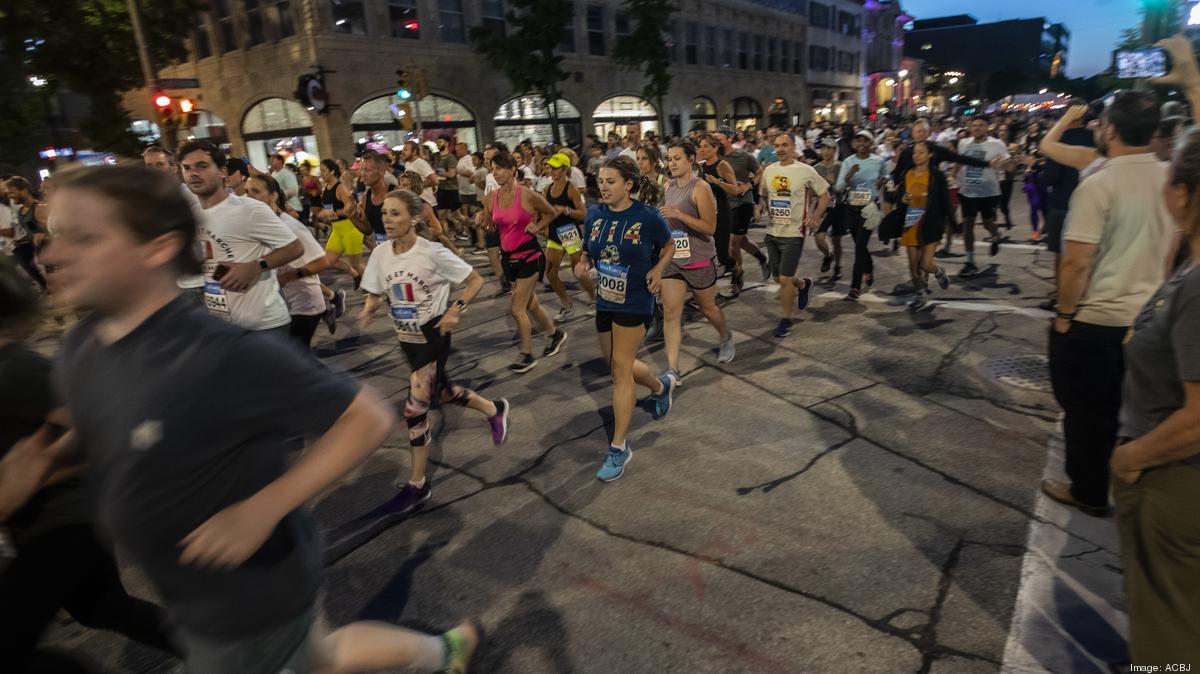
[1193, 18]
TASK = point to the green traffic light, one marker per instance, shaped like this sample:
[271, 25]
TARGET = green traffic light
[404, 94]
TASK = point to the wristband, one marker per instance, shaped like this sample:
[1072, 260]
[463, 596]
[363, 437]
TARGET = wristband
[1066, 316]
[262, 264]
[460, 304]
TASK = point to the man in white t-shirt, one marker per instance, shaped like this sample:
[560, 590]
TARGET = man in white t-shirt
[633, 139]
[979, 189]
[413, 162]
[287, 181]
[787, 186]
[243, 241]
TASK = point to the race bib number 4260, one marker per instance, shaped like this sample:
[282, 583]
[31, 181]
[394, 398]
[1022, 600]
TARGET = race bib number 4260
[612, 280]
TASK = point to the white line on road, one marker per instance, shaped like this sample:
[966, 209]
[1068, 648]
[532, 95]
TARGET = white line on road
[957, 305]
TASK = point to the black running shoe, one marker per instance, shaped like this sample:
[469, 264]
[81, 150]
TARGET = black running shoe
[556, 342]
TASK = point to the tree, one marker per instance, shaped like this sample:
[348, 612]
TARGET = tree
[648, 48]
[87, 47]
[538, 23]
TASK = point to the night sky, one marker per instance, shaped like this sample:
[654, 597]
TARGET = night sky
[1094, 25]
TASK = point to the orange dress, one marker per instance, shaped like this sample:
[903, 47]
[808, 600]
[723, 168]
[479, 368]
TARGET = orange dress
[918, 186]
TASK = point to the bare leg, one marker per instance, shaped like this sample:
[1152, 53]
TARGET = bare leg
[535, 309]
[620, 348]
[417, 407]
[927, 264]
[707, 299]
[370, 645]
[672, 292]
[788, 286]
[913, 273]
[553, 260]
[522, 293]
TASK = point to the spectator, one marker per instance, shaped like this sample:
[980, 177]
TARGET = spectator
[1117, 237]
[1156, 466]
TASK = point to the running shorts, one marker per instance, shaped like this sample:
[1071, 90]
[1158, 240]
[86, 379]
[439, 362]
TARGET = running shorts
[605, 320]
[697, 278]
[783, 253]
[982, 206]
[743, 215]
[447, 200]
[436, 348]
[834, 222]
[344, 238]
[518, 269]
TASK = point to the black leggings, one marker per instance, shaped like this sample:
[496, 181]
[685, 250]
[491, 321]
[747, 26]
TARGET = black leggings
[721, 236]
[1005, 195]
[863, 262]
[302, 328]
[25, 254]
[68, 568]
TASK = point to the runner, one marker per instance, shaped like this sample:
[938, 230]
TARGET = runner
[344, 247]
[447, 196]
[979, 190]
[747, 172]
[209, 506]
[287, 181]
[413, 277]
[860, 179]
[237, 172]
[464, 172]
[298, 281]
[489, 235]
[691, 213]
[243, 243]
[367, 218]
[925, 194]
[787, 185]
[29, 226]
[524, 264]
[719, 174]
[431, 226]
[411, 154]
[833, 221]
[631, 246]
[563, 236]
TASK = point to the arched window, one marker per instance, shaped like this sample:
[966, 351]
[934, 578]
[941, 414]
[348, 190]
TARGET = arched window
[777, 113]
[619, 111]
[529, 117]
[376, 122]
[278, 125]
[703, 114]
[747, 113]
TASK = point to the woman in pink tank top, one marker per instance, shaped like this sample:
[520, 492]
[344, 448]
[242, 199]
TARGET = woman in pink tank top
[518, 214]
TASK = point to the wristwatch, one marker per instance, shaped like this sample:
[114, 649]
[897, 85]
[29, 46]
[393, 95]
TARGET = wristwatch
[1066, 316]
[301, 272]
[262, 264]
[462, 306]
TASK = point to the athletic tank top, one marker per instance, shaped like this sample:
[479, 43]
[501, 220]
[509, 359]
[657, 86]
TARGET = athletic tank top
[511, 223]
[563, 199]
[28, 222]
[701, 247]
[329, 196]
[374, 213]
[718, 193]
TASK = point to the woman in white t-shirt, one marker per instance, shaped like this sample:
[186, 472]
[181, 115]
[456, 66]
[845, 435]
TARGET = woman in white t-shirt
[298, 281]
[412, 277]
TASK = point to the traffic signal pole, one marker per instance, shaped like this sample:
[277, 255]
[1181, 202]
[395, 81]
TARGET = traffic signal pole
[148, 73]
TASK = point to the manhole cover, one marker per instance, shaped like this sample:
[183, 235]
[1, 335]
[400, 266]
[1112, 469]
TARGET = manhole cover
[1023, 371]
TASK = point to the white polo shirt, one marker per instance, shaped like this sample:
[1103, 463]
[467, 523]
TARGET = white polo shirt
[1120, 209]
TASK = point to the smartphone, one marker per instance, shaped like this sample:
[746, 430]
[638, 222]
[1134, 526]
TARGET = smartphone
[219, 271]
[1141, 63]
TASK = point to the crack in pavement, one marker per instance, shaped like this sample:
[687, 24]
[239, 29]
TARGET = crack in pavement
[770, 486]
[953, 355]
[925, 640]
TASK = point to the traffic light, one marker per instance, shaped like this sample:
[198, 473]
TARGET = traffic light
[165, 108]
[403, 85]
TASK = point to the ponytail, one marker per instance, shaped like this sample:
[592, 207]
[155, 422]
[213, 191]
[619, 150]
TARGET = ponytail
[648, 191]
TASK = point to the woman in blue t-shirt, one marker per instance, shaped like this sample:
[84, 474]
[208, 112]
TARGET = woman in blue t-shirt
[630, 244]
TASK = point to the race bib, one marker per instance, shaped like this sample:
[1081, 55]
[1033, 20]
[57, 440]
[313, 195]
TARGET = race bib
[780, 211]
[408, 327]
[973, 175]
[683, 244]
[860, 197]
[380, 238]
[215, 300]
[912, 215]
[569, 236]
[612, 280]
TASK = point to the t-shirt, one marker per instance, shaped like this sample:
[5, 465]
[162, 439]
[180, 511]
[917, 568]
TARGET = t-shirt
[208, 421]
[424, 170]
[977, 182]
[466, 173]
[787, 189]
[303, 296]
[26, 397]
[1120, 209]
[416, 283]
[1161, 354]
[7, 221]
[447, 162]
[870, 170]
[576, 178]
[242, 229]
[625, 246]
[290, 186]
[195, 280]
[744, 167]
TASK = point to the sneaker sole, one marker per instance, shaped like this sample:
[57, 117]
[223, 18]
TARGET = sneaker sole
[503, 423]
[523, 369]
[616, 477]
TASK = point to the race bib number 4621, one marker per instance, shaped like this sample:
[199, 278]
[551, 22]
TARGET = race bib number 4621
[569, 235]
[612, 281]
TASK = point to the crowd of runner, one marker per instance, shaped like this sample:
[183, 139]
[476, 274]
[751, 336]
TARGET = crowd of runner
[191, 272]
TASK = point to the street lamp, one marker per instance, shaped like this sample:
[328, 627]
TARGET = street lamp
[903, 74]
[1044, 90]
[37, 81]
[953, 80]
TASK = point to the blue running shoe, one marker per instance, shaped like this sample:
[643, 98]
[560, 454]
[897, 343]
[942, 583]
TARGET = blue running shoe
[802, 296]
[615, 462]
[662, 401]
[784, 328]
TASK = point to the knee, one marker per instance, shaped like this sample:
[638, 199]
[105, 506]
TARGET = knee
[416, 413]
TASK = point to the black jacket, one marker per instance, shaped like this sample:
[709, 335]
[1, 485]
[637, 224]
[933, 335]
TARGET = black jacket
[940, 154]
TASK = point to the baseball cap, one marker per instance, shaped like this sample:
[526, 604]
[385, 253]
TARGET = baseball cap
[866, 134]
[558, 160]
[827, 141]
[432, 146]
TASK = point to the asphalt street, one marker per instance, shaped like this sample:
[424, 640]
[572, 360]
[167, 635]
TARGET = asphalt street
[856, 497]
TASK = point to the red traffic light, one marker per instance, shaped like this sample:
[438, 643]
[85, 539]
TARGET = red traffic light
[162, 100]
